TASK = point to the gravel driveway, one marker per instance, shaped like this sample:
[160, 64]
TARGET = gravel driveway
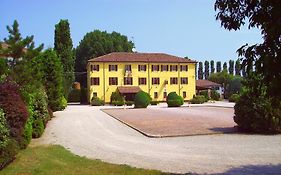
[87, 131]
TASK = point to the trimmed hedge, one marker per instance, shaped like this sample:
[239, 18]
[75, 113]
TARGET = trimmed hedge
[116, 96]
[129, 103]
[96, 101]
[234, 98]
[199, 99]
[174, 100]
[142, 100]
[117, 103]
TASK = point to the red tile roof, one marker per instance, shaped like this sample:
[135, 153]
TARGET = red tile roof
[206, 84]
[128, 89]
[141, 57]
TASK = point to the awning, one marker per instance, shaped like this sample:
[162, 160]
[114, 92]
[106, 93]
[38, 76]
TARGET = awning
[128, 89]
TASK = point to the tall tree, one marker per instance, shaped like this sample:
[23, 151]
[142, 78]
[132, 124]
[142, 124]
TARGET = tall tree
[218, 66]
[95, 44]
[237, 67]
[231, 67]
[206, 70]
[200, 71]
[225, 66]
[64, 49]
[212, 66]
[244, 72]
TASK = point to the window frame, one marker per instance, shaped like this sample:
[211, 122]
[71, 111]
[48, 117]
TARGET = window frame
[113, 81]
[182, 66]
[140, 82]
[140, 68]
[113, 68]
[172, 81]
[182, 78]
[167, 68]
[95, 67]
[184, 94]
[153, 68]
[128, 66]
[94, 82]
[155, 95]
[173, 66]
[126, 82]
[155, 83]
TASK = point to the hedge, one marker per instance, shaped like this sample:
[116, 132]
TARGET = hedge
[142, 100]
[174, 100]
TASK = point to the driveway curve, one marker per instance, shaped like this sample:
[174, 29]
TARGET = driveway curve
[87, 131]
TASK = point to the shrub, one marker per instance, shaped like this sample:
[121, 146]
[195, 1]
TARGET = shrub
[174, 100]
[4, 131]
[28, 131]
[38, 128]
[154, 102]
[215, 95]
[117, 103]
[74, 95]
[96, 101]
[15, 110]
[83, 96]
[199, 99]
[205, 94]
[142, 99]
[7, 153]
[234, 98]
[129, 103]
[116, 96]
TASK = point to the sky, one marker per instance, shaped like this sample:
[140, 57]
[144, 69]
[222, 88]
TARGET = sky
[178, 27]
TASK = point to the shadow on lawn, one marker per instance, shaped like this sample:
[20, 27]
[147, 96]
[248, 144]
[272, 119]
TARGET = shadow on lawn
[225, 130]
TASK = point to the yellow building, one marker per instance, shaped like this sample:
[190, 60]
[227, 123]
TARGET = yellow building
[155, 73]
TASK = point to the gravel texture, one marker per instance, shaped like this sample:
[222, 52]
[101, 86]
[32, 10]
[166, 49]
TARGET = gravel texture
[87, 131]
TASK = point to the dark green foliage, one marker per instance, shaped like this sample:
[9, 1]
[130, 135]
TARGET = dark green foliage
[117, 103]
[14, 109]
[224, 66]
[142, 99]
[212, 63]
[74, 95]
[129, 103]
[231, 67]
[244, 72]
[38, 128]
[27, 131]
[200, 71]
[207, 70]
[8, 153]
[222, 78]
[174, 100]
[4, 69]
[116, 96]
[95, 101]
[205, 94]
[234, 98]
[235, 85]
[64, 50]
[154, 102]
[215, 95]
[218, 66]
[4, 131]
[83, 96]
[237, 68]
[198, 99]
[98, 43]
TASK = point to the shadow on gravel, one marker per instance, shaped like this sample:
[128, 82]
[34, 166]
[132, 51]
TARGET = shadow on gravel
[225, 130]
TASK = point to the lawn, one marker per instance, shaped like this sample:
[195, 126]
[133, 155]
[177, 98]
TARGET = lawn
[57, 160]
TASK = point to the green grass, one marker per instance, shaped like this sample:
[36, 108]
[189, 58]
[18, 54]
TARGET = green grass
[51, 160]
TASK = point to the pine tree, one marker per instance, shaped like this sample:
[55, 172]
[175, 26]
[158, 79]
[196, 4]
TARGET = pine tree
[200, 71]
[224, 66]
[231, 67]
[64, 49]
[218, 66]
[212, 66]
[237, 68]
[207, 70]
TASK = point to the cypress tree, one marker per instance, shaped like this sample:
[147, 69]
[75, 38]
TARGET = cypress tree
[218, 66]
[207, 70]
[231, 67]
[64, 49]
[212, 66]
[237, 68]
[200, 71]
[224, 66]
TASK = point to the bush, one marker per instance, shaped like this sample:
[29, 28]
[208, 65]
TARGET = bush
[28, 131]
[129, 103]
[74, 95]
[174, 100]
[234, 98]
[83, 96]
[7, 153]
[14, 109]
[116, 96]
[205, 94]
[142, 100]
[38, 128]
[199, 99]
[154, 102]
[215, 95]
[117, 103]
[4, 131]
[96, 101]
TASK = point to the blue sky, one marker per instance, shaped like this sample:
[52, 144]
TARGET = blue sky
[178, 27]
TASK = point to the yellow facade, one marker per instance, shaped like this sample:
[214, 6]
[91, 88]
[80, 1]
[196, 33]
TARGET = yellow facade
[104, 90]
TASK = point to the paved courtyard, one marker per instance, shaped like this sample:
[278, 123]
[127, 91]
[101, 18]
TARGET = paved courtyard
[87, 131]
[184, 121]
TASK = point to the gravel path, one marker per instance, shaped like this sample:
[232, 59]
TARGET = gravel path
[87, 131]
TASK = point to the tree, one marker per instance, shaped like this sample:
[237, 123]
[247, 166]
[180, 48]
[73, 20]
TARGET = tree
[237, 68]
[212, 66]
[222, 78]
[95, 44]
[218, 66]
[64, 50]
[225, 66]
[231, 67]
[244, 72]
[207, 70]
[200, 71]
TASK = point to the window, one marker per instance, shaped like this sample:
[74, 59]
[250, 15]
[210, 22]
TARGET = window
[112, 67]
[95, 81]
[142, 81]
[155, 80]
[183, 68]
[184, 80]
[128, 68]
[184, 94]
[95, 94]
[155, 94]
[142, 67]
[95, 67]
[155, 67]
[173, 68]
[165, 95]
[164, 68]
[113, 81]
[173, 80]
[128, 81]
